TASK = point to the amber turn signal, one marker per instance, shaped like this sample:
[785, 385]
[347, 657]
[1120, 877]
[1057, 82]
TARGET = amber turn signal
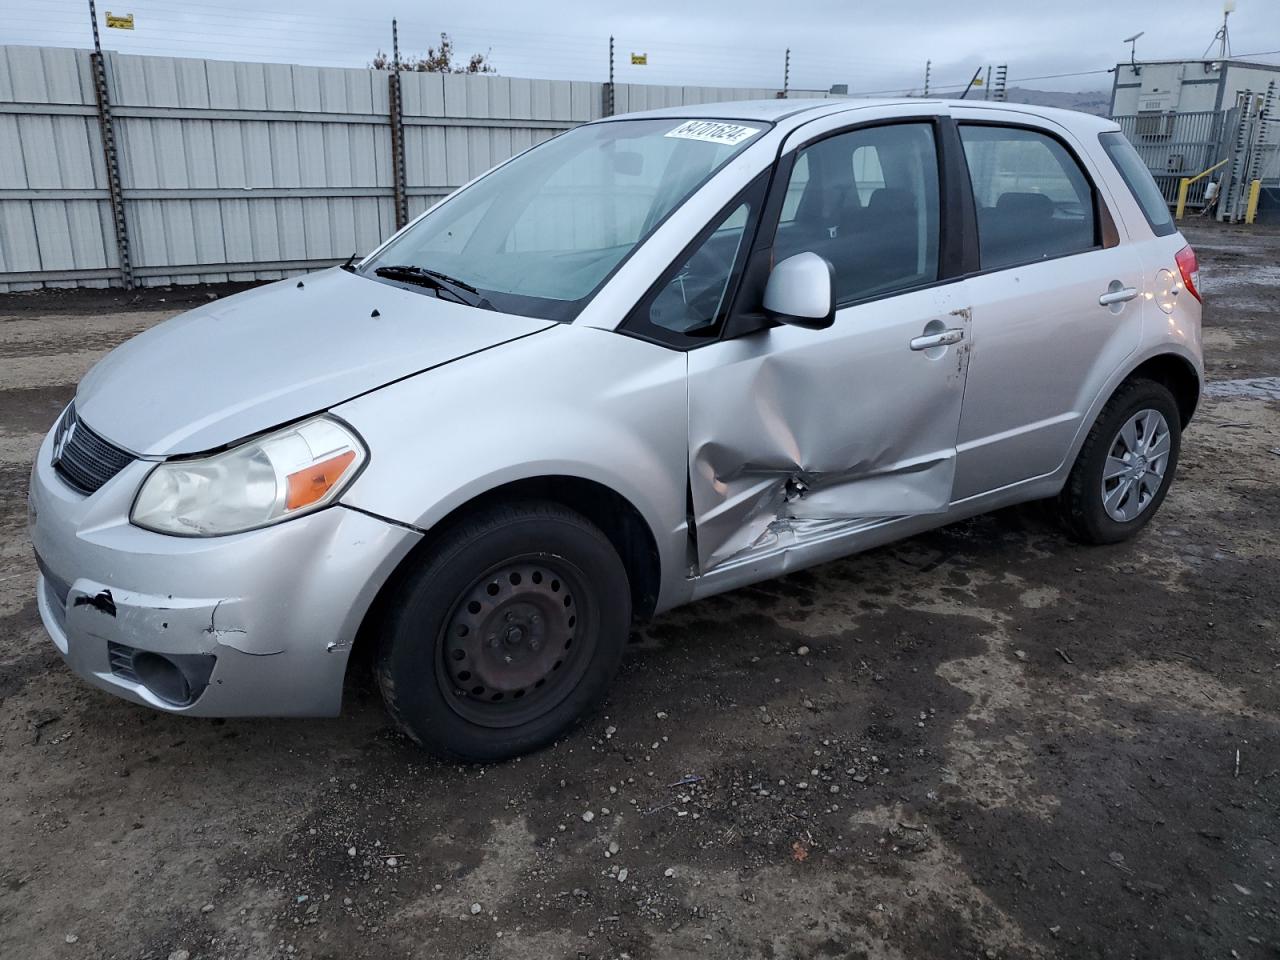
[307, 486]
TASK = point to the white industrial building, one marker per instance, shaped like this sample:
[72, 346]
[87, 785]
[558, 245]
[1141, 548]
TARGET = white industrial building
[1186, 86]
[1202, 119]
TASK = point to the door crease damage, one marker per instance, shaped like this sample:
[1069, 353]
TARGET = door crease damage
[770, 473]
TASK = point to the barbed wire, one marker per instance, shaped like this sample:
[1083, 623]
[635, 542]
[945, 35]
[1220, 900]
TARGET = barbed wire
[186, 28]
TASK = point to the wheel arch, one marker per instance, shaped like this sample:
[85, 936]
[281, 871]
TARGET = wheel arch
[1176, 374]
[616, 516]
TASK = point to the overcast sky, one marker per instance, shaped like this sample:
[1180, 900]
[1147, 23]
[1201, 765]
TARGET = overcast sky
[871, 47]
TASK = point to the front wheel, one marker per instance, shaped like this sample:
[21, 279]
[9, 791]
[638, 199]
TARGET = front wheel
[1124, 469]
[506, 634]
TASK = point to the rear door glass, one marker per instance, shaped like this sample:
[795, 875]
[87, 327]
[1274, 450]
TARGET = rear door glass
[1033, 200]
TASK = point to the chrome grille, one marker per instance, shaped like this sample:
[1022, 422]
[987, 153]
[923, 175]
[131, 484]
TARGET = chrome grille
[82, 458]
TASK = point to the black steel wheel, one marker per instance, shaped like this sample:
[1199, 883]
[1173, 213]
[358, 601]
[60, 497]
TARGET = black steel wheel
[509, 628]
[517, 641]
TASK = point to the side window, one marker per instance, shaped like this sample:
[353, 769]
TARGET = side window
[868, 177]
[1138, 179]
[687, 306]
[795, 189]
[1034, 202]
[694, 298]
[867, 201]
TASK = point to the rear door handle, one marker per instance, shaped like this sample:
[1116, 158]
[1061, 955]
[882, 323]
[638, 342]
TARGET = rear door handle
[944, 339]
[1117, 296]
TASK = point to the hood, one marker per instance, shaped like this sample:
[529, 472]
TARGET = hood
[270, 355]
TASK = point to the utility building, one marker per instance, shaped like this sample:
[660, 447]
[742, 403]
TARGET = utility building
[1156, 87]
[1205, 121]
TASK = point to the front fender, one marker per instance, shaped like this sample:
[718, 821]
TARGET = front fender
[572, 401]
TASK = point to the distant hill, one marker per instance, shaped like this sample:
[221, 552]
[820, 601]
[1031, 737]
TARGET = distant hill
[1097, 102]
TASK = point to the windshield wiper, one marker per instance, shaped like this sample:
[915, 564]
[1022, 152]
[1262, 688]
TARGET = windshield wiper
[460, 291]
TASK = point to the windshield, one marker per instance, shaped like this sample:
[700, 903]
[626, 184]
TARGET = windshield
[539, 235]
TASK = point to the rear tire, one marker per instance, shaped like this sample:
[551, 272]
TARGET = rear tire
[1125, 467]
[506, 634]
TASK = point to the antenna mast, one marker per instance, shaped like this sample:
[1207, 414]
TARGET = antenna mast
[1224, 49]
[1222, 38]
[1133, 49]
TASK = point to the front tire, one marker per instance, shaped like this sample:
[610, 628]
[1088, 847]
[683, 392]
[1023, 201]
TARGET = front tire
[1125, 467]
[507, 633]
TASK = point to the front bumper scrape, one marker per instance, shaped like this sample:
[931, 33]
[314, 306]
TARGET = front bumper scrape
[259, 623]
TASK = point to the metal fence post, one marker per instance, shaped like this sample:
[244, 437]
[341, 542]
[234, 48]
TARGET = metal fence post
[1232, 130]
[1251, 194]
[1002, 73]
[1231, 204]
[107, 129]
[397, 132]
[608, 87]
[786, 74]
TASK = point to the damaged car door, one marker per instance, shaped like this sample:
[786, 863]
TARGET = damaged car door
[798, 435]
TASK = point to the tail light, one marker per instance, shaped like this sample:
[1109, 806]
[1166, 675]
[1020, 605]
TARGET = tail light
[1189, 266]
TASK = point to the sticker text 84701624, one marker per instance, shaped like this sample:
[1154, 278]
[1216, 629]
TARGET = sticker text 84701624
[714, 131]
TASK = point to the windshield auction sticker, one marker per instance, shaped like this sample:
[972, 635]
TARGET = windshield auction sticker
[713, 131]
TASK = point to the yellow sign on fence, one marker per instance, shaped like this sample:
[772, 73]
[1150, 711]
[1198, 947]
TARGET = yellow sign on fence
[120, 21]
[639, 59]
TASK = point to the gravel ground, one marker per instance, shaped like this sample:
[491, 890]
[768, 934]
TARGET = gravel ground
[983, 742]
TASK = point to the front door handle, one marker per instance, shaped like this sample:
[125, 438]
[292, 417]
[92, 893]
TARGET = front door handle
[944, 339]
[1117, 296]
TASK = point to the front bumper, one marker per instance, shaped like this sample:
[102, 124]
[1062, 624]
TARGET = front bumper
[262, 621]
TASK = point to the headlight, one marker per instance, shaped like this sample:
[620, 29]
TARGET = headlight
[271, 478]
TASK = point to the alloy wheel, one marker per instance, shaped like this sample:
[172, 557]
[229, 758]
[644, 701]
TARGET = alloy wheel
[1135, 466]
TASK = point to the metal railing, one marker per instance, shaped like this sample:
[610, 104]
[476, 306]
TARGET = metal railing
[1184, 187]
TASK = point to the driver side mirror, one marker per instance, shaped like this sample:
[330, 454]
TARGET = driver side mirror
[802, 292]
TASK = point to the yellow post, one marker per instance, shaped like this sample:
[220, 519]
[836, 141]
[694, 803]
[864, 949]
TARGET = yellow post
[1251, 210]
[1184, 185]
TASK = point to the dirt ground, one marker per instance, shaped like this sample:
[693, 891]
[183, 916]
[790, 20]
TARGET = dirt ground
[984, 742]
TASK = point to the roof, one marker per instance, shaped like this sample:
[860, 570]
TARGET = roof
[1076, 120]
[800, 111]
[768, 110]
[1228, 62]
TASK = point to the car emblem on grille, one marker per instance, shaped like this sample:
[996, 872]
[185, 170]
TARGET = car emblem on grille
[66, 430]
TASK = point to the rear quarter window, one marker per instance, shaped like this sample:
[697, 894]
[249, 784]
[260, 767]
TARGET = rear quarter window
[1138, 179]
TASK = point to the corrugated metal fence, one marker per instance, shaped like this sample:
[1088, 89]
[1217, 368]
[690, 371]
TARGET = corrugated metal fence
[240, 171]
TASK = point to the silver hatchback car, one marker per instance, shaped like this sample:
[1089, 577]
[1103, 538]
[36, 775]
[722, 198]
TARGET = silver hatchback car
[658, 357]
